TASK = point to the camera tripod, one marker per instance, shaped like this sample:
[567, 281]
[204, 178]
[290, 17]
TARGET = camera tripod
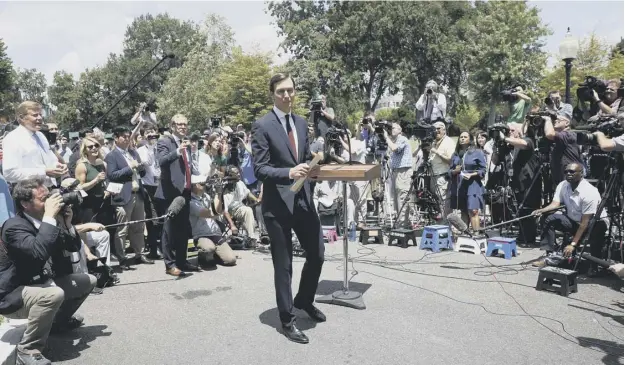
[380, 195]
[508, 200]
[614, 195]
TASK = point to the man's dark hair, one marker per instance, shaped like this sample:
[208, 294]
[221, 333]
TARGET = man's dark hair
[278, 78]
[23, 191]
[120, 131]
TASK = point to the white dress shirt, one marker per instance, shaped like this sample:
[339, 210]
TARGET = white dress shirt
[281, 115]
[439, 109]
[24, 158]
[153, 170]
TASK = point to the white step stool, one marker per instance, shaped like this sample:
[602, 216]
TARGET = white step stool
[476, 245]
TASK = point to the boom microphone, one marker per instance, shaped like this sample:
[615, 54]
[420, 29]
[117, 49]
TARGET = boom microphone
[176, 206]
[597, 261]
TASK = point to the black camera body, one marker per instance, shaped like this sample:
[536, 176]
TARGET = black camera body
[366, 120]
[50, 137]
[494, 132]
[608, 125]
[216, 121]
[333, 139]
[316, 106]
[585, 89]
[507, 94]
[69, 194]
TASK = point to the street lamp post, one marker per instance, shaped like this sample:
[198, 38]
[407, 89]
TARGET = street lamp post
[568, 52]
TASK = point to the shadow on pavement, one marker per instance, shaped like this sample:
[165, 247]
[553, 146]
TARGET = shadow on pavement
[327, 287]
[271, 318]
[62, 348]
[613, 350]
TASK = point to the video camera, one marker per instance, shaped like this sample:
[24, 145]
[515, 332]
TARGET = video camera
[585, 89]
[494, 132]
[506, 94]
[537, 121]
[216, 121]
[69, 194]
[333, 139]
[379, 128]
[233, 142]
[608, 125]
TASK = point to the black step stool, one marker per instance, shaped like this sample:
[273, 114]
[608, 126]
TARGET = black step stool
[402, 236]
[367, 233]
[556, 279]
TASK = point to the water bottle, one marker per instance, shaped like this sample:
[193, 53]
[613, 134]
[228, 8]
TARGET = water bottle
[352, 231]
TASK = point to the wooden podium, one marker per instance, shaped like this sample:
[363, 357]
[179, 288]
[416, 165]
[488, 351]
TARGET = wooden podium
[347, 172]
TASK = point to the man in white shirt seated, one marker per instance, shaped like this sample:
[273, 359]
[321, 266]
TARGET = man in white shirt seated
[235, 208]
[581, 200]
[205, 229]
[328, 197]
[27, 154]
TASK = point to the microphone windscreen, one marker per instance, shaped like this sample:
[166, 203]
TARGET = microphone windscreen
[176, 206]
[456, 221]
[597, 261]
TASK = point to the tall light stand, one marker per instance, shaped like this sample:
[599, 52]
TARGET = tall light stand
[568, 52]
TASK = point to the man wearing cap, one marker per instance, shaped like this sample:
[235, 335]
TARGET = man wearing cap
[565, 150]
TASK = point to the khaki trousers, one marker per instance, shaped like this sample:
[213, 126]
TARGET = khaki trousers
[134, 210]
[223, 251]
[45, 304]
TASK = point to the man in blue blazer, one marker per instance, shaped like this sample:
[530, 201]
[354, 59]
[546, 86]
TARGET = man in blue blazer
[123, 166]
[173, 154]
[280, 149]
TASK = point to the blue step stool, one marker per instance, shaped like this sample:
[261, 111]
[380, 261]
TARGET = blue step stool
[435, 238]
[507, 245]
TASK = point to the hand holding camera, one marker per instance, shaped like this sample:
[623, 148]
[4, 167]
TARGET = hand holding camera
[53, 205]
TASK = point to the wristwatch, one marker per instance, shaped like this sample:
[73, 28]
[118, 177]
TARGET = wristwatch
[573, 244]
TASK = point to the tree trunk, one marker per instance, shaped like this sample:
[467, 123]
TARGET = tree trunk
[491, 112]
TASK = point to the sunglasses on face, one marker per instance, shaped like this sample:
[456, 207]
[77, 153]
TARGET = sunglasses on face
[570, 172]
[93, 146]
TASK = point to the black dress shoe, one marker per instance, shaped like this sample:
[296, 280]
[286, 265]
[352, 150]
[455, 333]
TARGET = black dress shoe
[144, 260]
[314, 313]
[154, 256]
[294, 334]
[189, 267]
[71, 324]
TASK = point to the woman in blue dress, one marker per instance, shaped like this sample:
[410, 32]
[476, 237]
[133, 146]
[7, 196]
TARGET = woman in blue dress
[468, 167]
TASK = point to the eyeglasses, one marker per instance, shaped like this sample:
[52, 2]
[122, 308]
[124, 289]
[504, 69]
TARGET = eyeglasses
[93, 146]
[181, 124]
[570, 172]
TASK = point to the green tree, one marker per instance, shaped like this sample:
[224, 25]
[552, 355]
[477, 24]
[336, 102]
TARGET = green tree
[188, 89]
[63, 95]
[7, 82]
[31, 85]
[617, 49]
[241, 91]
[503, 46]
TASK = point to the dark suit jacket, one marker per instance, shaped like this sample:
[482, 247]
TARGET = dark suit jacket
[173, 179]
[118, 171]
[24, 254]
[273, 158]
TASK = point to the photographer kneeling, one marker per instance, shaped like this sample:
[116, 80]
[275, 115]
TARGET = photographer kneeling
[36, 279]
[205, 228]
[581, 200]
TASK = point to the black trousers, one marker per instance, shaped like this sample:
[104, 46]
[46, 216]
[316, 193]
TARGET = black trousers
[176, 233]
[305, 223]
[527, 227]
[562, 223]
[154, 228]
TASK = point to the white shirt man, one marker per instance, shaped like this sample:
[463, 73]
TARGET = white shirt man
[433, 104]
[27, 153]
[583, 200]
[147, 153]
[233, 205]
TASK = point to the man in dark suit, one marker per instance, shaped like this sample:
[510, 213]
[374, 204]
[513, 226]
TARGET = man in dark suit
[123, 166]
[280, 149]
[173, 154]
[36, 275]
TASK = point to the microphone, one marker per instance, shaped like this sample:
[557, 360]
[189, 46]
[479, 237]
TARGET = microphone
[456, 221]
[597, 261]
[175, 207]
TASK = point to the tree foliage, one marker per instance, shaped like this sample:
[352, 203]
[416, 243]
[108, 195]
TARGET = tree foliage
[7, 82]
[31, 85]
[63, 95]
[503, 46]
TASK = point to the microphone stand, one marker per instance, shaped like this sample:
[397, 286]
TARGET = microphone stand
[97, 123]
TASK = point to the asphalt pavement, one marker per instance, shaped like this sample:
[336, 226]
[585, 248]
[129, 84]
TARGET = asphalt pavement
[422, 308]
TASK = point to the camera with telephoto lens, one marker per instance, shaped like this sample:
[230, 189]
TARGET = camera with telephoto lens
[537, 121]
[585, 89]
[610, 126]
[366, 120]
[379, 127]
[333, 139]
[69, 194]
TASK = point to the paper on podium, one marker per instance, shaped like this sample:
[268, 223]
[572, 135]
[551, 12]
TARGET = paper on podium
[300, 182]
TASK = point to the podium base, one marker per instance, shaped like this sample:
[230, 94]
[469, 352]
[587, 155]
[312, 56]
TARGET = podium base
[351, 299]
